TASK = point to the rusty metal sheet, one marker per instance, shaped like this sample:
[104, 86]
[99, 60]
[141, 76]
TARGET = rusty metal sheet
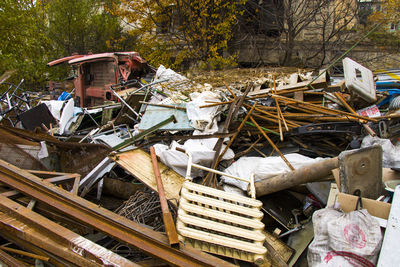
[122, 229]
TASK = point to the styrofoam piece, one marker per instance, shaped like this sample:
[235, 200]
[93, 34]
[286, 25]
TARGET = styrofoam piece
[364, 87]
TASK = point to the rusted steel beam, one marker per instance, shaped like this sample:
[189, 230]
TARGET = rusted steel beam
[55, 180]
[221, 155]
[122, 229]
[350, 109]
[10, 260]
[24, 253]
[272, 143]
[169, 224]
[54, 260]
[52, 237]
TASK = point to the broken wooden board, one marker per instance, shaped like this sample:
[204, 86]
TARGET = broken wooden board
[138, 164]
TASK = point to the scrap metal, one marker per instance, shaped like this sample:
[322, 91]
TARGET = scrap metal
[169, 224]
[104, 220]
[50, 236]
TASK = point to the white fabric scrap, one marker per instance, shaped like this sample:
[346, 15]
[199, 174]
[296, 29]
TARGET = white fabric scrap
[55, 107]
[163, 73]
[203, 119]
[43, 153]
[390, 152]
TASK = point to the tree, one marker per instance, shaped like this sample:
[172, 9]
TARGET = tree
[23, 41]
[388, 16]
[334, 25]
[293, 26]
[81, 26]
[177, 31]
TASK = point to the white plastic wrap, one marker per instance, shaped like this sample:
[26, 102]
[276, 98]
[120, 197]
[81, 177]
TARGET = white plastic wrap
[344, 239]
[391, 153]
[203, 119]
[201, 150]
[263, 168]
[163, 73]
[66, 116]
[55, 107]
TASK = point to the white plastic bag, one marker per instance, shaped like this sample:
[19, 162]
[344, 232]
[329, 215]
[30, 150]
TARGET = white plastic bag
[201, 150]
[203, 119]
[391, 153]
[344, 239]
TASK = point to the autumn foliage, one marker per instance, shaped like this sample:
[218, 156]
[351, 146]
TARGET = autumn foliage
[186, 31]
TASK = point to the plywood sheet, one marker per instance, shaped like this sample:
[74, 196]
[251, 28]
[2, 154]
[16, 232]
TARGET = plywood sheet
[138, 164]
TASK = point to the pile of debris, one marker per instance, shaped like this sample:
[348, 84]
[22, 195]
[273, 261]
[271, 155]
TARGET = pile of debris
[143, 166]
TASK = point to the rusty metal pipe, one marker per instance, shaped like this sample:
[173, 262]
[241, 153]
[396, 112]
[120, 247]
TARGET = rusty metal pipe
[10, 260]
[24, 253]
[306, 174]
[169, 224]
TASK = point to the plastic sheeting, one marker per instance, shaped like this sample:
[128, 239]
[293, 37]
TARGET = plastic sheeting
[55, 107]
[164, 73]
[391, 153]
[203, 119]
[201, 150]
[263, 168]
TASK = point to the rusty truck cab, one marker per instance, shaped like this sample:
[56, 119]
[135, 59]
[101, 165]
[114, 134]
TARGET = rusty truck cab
[94, 74]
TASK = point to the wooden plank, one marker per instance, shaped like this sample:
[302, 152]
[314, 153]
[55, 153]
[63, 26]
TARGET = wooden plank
[138, 164]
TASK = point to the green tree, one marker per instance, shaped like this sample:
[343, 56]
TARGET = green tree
[81, 26]
[174, 32]
[23, 42]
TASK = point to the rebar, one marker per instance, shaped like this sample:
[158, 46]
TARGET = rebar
[144, 207]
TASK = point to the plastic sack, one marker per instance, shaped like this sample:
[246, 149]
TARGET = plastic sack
[263, 168]
[163, 73]
[344, 239]
[391, 153]
[203, 119]
[201, 150]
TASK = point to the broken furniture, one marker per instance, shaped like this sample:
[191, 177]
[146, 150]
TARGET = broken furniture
[103, 220]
